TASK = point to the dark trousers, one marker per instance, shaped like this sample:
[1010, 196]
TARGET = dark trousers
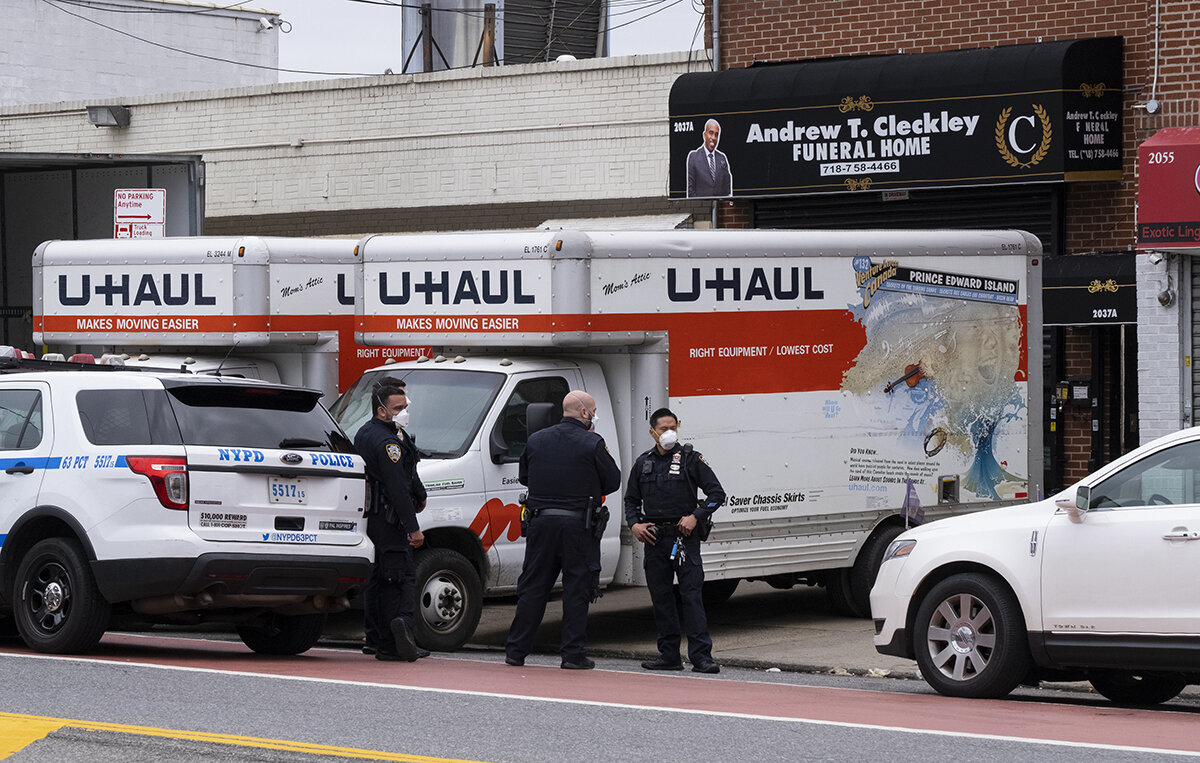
[554, 545]
[391, 590]
[661, 572]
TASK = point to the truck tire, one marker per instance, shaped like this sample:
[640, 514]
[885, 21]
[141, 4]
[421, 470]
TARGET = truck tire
[283, 634]
[866, 566]
[449, 599]
[57, 607]
[837, 588]
[717, 592]
[969, 638]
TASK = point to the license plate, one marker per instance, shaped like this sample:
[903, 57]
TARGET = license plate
[283, 490]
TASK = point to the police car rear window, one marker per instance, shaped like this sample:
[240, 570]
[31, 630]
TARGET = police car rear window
[126, 417]
[255, 417]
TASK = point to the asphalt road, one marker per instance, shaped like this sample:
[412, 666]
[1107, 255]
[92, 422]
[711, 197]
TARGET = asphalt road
[149, 697]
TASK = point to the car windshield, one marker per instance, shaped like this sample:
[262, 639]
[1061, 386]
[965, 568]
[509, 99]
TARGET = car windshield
[255, 417]
[446, 407]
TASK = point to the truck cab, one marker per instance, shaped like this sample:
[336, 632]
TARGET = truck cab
[468, 422]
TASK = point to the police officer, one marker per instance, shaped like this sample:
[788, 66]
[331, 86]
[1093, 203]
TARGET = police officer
[662, 512]
[394, 496]
[567, 469]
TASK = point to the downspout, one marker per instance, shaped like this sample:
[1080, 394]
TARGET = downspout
[716, 49]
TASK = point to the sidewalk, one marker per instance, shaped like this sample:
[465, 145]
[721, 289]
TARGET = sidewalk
[759, 627]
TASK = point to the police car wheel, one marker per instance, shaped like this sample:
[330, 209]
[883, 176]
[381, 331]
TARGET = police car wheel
[283, 634]
[449, 599]
[58, 609]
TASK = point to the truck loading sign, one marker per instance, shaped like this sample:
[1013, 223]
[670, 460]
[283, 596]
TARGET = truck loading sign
[139, 212]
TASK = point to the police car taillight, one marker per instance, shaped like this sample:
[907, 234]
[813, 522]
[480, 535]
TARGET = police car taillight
[168, 476]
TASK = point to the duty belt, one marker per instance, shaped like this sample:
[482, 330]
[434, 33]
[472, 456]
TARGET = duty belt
[560, 513]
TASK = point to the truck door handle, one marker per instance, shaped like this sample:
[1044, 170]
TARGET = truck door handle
[19, 469]
[1182, 534]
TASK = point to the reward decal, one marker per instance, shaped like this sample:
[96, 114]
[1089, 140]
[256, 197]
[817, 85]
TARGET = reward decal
[222, 520]
[495, 519]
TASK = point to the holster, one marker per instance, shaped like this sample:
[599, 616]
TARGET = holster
[704, 528]
[526, 515]
[600, 517]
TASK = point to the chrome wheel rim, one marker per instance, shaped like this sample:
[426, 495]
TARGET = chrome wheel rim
[961, 637]
[443, 601]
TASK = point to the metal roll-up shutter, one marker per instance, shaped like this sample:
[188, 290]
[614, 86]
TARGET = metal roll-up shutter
[1033, 208]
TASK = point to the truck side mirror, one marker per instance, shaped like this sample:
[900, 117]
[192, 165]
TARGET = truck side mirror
[539, 416]
[1077, 507]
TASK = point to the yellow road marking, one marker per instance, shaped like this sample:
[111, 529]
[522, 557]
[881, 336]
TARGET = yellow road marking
[18, 731]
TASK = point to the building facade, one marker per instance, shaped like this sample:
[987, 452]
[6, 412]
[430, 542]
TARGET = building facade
[1112, 380]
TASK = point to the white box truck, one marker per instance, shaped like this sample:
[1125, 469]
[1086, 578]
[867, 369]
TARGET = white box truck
[820, 373]
[273, 308]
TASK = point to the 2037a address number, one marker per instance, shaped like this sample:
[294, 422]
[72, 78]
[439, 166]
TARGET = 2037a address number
[1104, 312]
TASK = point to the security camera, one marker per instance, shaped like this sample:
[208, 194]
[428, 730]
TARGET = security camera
[1166, 297]
[264, 23]
[1156, 258]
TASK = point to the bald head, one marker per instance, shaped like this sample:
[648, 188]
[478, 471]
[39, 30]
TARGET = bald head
[579, 405]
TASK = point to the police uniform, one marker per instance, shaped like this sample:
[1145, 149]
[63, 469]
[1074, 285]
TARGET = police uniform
[393, 493]
[662, 490]
[567, 469]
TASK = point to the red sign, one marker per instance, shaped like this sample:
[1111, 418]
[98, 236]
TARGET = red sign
[1169, 189]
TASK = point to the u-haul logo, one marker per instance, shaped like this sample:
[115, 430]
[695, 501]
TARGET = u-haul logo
[487, 287]
[171, 289]
[736, 284]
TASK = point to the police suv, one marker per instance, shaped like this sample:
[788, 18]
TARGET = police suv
[132, 497]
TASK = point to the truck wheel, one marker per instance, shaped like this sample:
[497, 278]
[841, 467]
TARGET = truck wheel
[1137, 688]
[841, 601]
[969, 638]
[283, 634]
[449, 599]
[717, 592]
[866, 566]
[57, 607]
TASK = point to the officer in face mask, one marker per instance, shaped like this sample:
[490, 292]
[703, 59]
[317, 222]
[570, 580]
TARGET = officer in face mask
[662, 511]
[394, 496]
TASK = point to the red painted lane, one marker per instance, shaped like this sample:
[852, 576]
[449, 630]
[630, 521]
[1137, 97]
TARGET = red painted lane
[1100, 725]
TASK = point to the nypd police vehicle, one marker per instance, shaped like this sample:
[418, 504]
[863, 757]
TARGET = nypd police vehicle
[131, 497]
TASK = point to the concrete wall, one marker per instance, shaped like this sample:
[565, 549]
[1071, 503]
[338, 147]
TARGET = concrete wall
[66, 51]
[480, 148]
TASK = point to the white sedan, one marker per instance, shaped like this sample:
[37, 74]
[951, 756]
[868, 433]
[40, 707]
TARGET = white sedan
[1099, 582]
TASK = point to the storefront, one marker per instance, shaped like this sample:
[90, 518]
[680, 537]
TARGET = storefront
[977, 138]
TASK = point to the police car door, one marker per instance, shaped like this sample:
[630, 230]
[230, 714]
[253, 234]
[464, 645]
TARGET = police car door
[506, 443]
[24, 448]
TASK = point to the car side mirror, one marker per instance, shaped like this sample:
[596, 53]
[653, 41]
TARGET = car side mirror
[1078, 506]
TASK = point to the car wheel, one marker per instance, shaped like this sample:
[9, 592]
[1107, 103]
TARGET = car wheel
[717, 592]
[969, 638]
[57, 607]
[283, 634]
[866, 567]
[449, 599]
[1136, 688]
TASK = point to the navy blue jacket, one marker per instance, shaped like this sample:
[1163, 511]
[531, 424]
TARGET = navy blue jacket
[393, 487]
[662, 487]
[566, 465]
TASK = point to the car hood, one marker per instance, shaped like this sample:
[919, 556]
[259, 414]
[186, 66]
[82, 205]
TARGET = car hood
[1026, 516]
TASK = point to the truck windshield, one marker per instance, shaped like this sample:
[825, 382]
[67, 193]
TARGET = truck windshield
[446, 411]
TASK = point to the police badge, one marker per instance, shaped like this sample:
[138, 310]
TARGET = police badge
[393, 451]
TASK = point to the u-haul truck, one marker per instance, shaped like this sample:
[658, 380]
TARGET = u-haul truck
[820, 374]
[280, 309]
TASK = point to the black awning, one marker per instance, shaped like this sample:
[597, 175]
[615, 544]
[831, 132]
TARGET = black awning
[1042, 112]
[1089, 289]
